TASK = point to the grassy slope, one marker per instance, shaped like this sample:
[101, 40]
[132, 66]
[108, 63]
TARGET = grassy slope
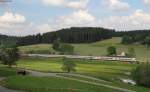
[51, 84]
[110, 71]
[105, 70]
[98, 48]
[5, 71]
[116, 84]
[39, 48]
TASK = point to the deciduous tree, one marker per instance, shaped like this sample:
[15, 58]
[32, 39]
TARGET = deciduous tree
[68, 65]
[111, 51]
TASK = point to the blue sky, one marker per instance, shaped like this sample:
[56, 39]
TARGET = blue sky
[24, 17]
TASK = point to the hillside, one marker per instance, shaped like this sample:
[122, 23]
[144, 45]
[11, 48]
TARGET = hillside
[89, 77]
[98, 48]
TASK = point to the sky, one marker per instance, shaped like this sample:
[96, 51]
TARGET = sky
[27, 17]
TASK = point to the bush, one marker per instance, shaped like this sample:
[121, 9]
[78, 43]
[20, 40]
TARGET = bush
[9, 56]
[66, 49]
[142, 75]
[56, 44]
[68, 65]
[63, 48]
[111, 51]
[131, 52]
[127, 40]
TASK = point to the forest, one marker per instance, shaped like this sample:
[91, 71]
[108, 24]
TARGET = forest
[70, 35]
[81, 35]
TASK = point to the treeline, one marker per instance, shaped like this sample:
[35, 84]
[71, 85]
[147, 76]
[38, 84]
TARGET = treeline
[70, 35]
[82, 35]
[7, 38]
[79, 35]
[131, 33]
[138, 37]
[8, 41]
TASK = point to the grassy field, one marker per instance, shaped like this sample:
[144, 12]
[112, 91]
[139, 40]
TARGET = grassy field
[104, 70]
[51, 84]
[115, 84]
[5, 71]
[109, 71]
[98, 48]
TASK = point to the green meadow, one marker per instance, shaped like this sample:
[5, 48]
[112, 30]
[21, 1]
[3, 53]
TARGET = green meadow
[105, 70]
[51, 84]
[6, 72]
[98, 48]
[108, 71]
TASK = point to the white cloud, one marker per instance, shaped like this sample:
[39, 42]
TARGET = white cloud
[117, 5]
[136, 21]
[77, 19]
[12, 18]
[76, 4]
[12, 23]
[146, 1]
[42, 28]
[53, 2]
[16, 24]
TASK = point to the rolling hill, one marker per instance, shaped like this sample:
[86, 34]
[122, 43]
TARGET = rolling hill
[97, 48]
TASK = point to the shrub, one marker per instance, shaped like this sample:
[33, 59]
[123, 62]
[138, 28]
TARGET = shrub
[142, 75]
[68, 65]
[131, 52]
[56, 44]
[111, 51]
[67, 49]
